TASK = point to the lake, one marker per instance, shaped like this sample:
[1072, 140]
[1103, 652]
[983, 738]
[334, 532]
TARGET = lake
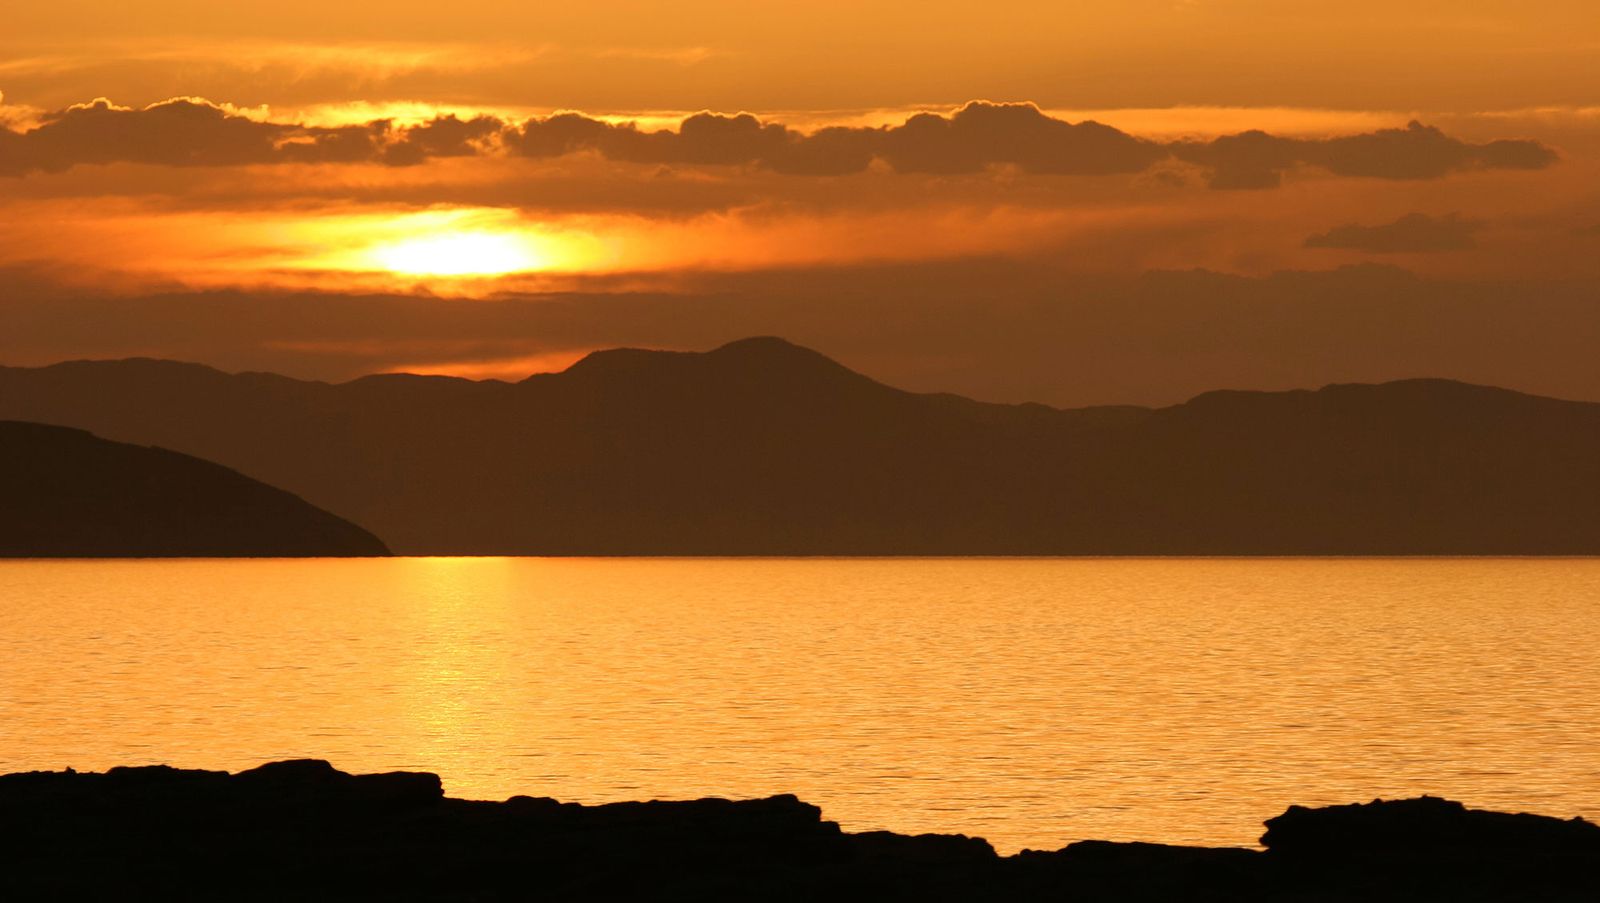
[1033, 702]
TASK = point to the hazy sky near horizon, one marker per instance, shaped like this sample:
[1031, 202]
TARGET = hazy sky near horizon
[503, 150]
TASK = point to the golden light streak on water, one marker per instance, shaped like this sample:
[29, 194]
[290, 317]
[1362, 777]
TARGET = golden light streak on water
[1033, 702]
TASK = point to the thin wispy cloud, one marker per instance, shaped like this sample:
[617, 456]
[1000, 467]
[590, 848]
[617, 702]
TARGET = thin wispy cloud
[1412, 233]
[683, 56]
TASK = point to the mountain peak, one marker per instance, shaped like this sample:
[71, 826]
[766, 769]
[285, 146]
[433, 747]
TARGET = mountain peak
[773, 352]
[763, 357]
[763, 344]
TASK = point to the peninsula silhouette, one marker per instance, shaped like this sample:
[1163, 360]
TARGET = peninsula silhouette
[68, 494]
[762, 447]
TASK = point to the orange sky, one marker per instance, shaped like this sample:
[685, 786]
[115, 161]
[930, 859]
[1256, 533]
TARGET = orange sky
[308, 157]
[1458, 55]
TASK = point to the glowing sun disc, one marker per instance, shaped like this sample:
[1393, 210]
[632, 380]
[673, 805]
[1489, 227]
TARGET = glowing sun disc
[459, 254]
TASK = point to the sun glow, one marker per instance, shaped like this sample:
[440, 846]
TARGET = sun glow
[466, 253]
[448, 247]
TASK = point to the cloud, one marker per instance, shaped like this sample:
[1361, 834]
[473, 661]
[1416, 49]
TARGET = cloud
[683, 56]
[444, 136]
[179, 132]
[980, 135]
[1412, 233]
[701, 139]
[1255, 159]
[974, 138]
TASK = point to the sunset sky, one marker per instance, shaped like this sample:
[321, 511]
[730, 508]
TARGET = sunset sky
[1071, 203]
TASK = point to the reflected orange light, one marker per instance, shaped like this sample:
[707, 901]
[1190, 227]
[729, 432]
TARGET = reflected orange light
[510, 369]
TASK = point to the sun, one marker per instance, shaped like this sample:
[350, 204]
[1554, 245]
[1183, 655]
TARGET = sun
[460, 253]
[459, 250]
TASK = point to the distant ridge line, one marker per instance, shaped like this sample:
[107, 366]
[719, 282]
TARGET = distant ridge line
[762, 447]
[604, 358]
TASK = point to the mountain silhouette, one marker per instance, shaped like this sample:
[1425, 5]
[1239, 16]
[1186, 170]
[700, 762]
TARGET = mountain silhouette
[68, 494]
[762, 447]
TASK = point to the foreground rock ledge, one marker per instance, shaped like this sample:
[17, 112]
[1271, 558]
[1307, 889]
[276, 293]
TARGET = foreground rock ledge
[303, 830]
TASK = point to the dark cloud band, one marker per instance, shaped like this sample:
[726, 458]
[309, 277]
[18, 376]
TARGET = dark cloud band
[974, 138]
[190, 132]
[1412, 233]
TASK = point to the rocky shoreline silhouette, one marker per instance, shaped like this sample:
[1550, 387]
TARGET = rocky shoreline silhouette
[302, 830]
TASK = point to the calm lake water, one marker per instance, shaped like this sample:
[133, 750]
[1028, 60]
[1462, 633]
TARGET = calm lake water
[1032, 702]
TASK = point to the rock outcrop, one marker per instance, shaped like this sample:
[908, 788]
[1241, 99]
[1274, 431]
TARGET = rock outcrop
[302, 830]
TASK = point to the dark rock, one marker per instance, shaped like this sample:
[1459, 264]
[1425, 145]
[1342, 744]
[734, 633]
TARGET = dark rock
[303, 830]
[1101, 870]
[1428, 845]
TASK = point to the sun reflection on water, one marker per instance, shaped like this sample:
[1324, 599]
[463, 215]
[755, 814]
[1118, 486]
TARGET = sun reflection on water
[1032, 702]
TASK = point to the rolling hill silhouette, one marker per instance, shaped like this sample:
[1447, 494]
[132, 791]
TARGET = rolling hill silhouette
[68, 494]
[762, 447]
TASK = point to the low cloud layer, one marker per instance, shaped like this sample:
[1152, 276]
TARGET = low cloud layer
[1412, 233]
[194, 132]
[1258, 160]
[977, 137]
